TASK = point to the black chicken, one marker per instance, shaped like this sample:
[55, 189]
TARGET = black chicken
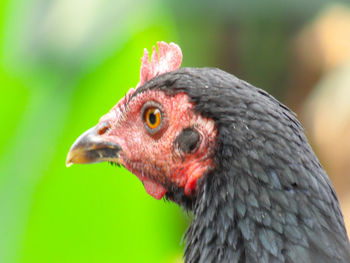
[230, 153]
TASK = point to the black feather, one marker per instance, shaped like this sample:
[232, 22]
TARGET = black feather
[268, 200]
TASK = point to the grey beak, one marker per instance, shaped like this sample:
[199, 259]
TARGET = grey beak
[90, 147]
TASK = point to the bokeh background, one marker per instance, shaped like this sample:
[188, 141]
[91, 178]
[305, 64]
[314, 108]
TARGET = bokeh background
[64, 63]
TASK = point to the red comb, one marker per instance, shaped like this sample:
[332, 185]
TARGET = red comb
[169, 59]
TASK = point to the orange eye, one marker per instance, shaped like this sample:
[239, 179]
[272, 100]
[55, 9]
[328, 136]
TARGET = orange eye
[152, 117]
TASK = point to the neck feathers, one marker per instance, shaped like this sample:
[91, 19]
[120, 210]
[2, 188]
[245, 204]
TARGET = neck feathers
[241, 218]
[212, 236]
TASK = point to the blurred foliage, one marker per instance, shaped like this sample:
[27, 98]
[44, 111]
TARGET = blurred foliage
[63, 64]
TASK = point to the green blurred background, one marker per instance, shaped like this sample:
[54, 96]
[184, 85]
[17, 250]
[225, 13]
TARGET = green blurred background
[64, 63]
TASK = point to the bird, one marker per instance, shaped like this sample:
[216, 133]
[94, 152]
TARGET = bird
[230, 154]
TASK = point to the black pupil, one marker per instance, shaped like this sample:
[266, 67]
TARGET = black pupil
[152, 118]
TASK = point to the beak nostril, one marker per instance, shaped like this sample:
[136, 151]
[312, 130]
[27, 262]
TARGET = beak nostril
[104, 128]
[91, 147]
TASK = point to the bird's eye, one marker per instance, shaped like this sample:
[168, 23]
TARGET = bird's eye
[152, 117]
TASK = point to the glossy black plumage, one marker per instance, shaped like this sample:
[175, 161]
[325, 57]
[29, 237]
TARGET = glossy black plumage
[268, 199]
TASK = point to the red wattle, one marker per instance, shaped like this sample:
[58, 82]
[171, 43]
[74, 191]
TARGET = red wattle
[154, 189]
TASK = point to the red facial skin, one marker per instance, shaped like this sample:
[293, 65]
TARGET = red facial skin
[154, 157]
